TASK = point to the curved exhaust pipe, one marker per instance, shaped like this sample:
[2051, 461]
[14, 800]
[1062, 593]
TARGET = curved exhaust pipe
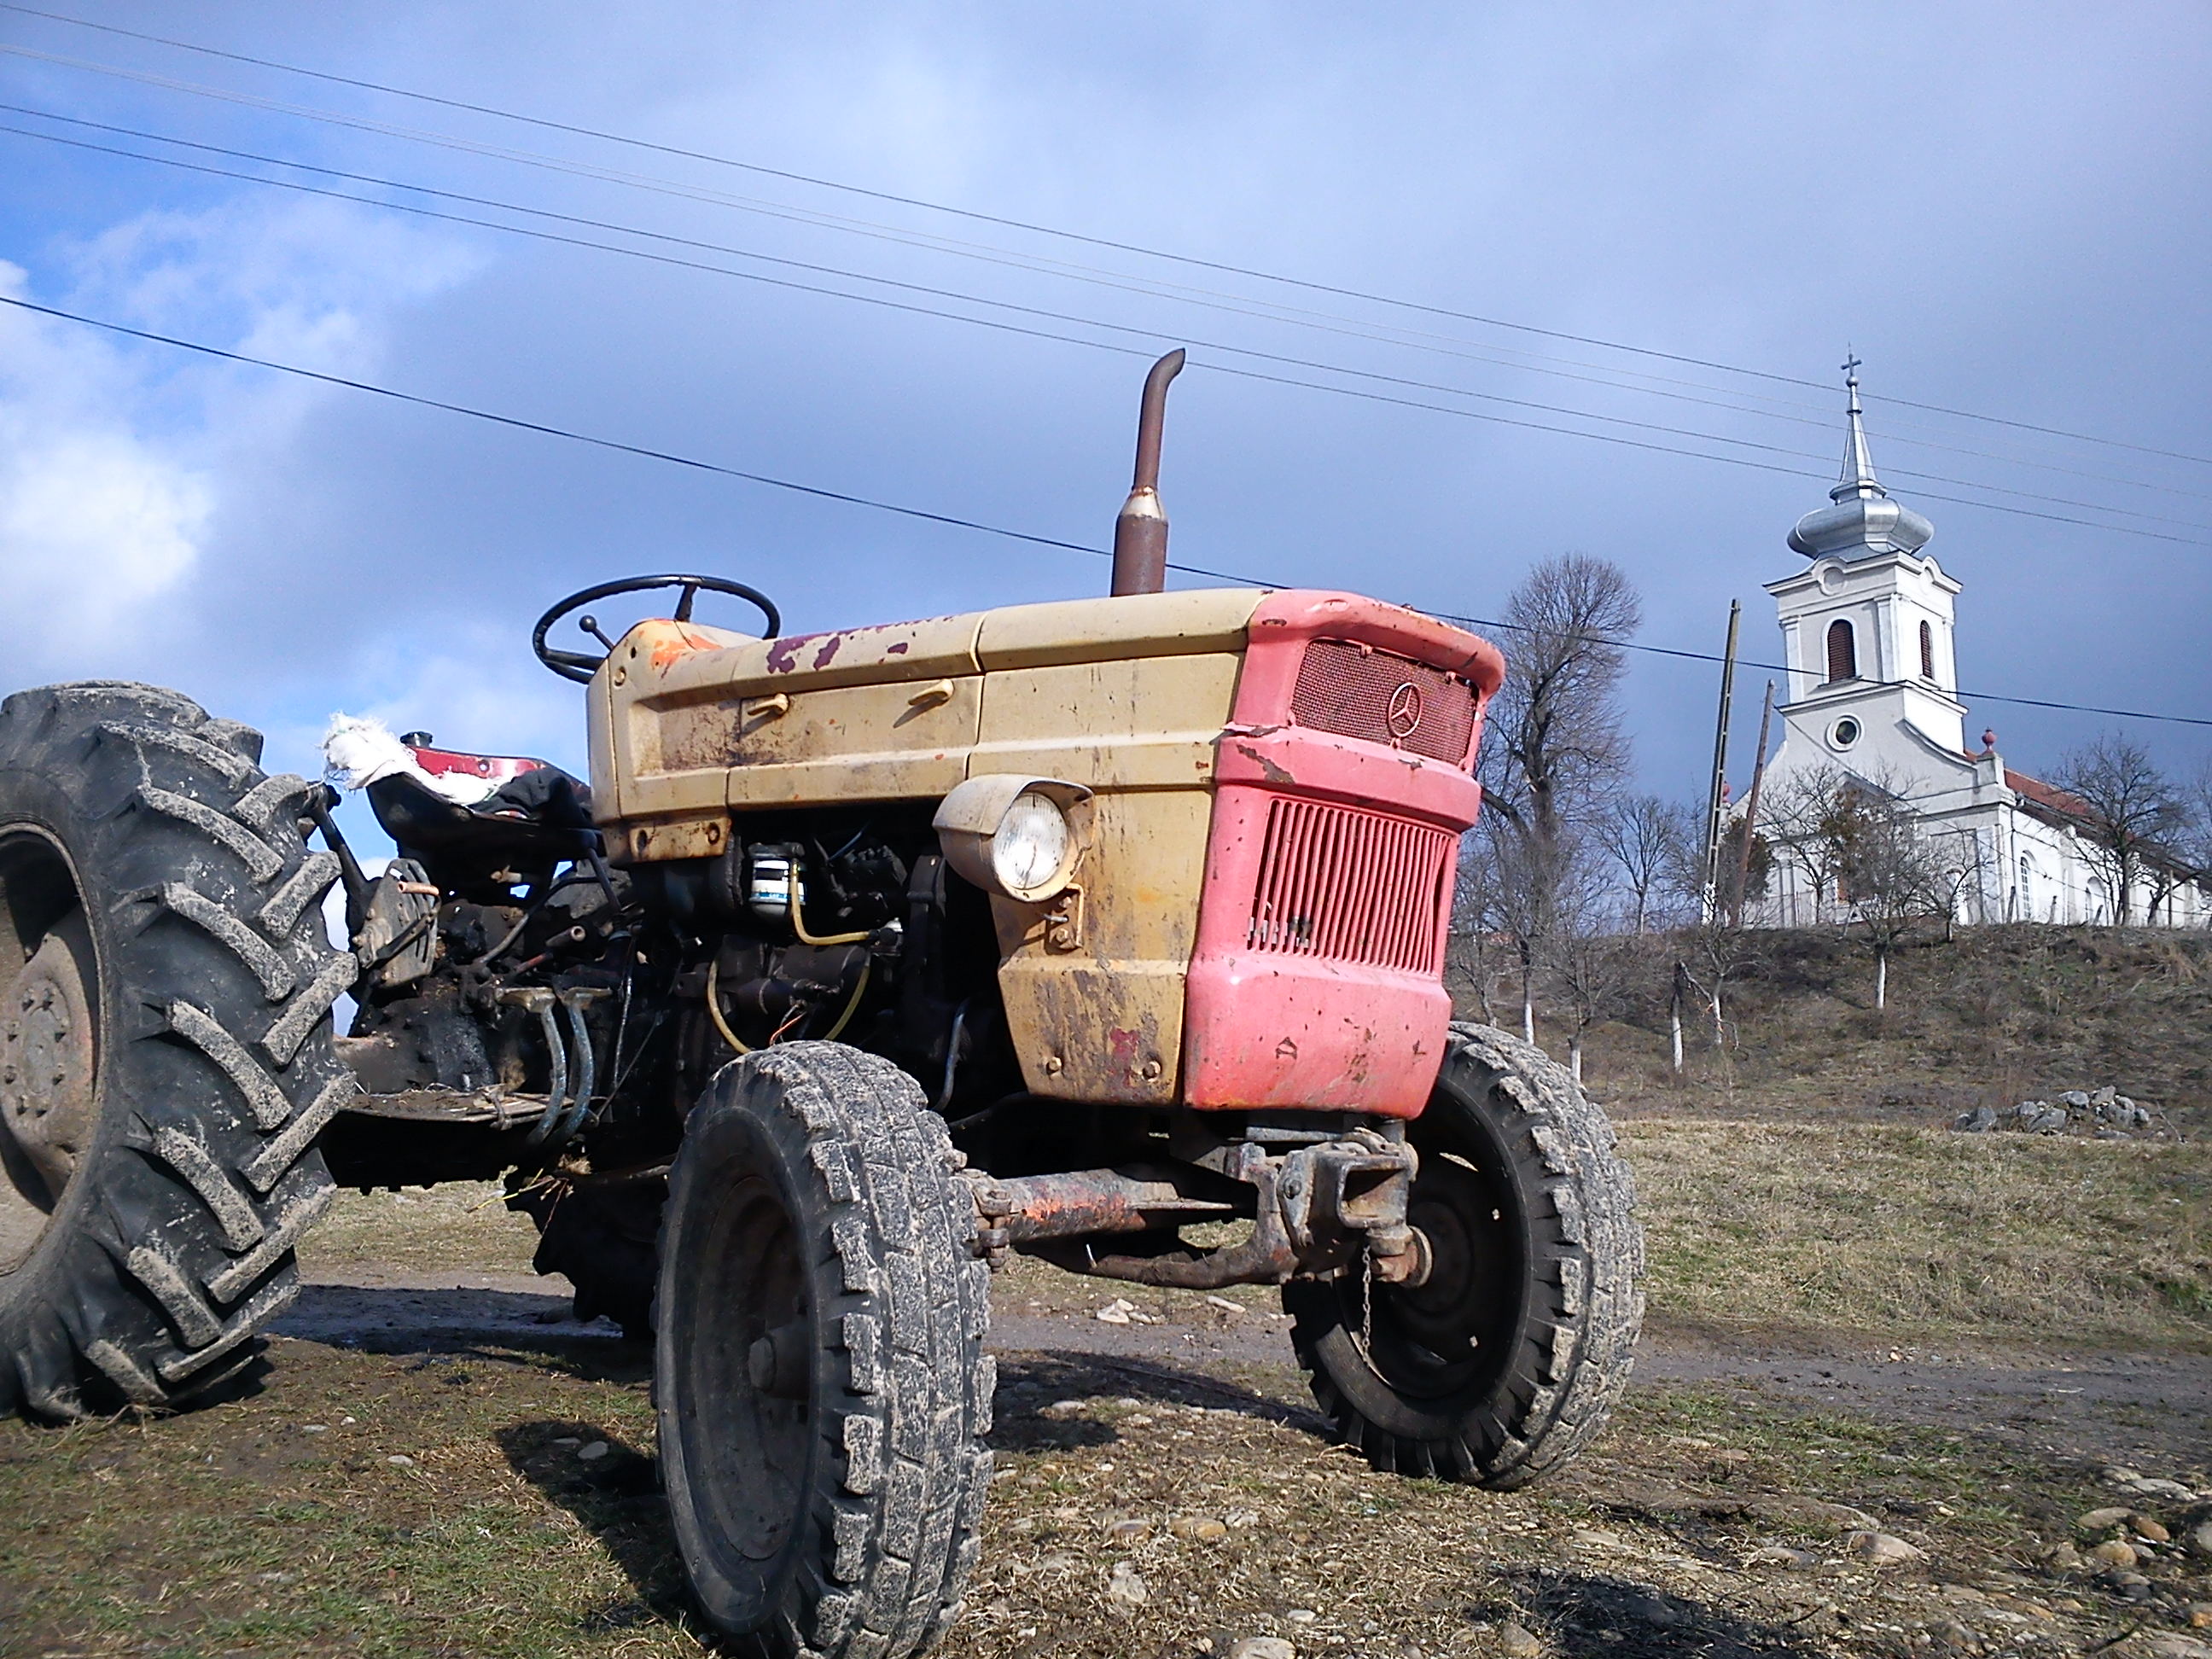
[1140, 533]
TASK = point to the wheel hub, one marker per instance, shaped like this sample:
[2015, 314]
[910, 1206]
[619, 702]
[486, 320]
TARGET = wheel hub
[47, 1063]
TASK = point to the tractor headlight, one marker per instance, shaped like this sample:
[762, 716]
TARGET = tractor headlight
[1015, 836]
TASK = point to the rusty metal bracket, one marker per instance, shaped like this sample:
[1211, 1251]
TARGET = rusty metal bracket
[1063, 922]
[1314, 1209]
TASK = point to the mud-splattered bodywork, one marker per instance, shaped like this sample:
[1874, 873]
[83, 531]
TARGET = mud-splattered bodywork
[1279, 781]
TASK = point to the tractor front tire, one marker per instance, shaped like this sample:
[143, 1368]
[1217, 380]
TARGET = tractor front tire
[1504, 1363]
[822, 1387]
[165, 1054]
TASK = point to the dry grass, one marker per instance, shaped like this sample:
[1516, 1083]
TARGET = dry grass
[1997, 1015]
[463, 1227]
[1909, 1234]
[1894, 1234]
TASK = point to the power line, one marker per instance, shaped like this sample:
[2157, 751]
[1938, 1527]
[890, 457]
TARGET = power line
[1784, 668]
[1613, 377]
[1150, 335]
[1141, 250]
[547, 429]
[551, 431]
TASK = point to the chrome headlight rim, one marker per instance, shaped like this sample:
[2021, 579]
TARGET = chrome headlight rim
[1016, 836]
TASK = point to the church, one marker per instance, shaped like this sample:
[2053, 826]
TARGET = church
[1872, 703]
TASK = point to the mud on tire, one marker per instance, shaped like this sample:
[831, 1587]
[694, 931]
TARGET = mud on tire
[822, 1385]
[156, 1169]
[1505, 1364]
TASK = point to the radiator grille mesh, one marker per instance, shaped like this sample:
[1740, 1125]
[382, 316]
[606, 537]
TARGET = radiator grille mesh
[1343, 885]
[1383, 698]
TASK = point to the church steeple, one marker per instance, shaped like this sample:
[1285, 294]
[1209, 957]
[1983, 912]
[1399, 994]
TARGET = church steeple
[1859, 477]
[1864, 520]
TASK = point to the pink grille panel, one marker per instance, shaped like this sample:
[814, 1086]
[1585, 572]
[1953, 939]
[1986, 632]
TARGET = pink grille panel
[1341, 884]
[1358, 691]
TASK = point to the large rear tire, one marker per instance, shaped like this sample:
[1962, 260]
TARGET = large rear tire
[1505, 1362]
[822, 1385]
[165, 1054]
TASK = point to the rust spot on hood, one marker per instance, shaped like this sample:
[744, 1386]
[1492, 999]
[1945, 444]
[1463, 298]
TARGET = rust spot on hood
[671, 640]
[783, 655]
[1269, 770]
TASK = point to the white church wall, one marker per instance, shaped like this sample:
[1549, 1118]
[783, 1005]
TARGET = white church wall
[1906, 728]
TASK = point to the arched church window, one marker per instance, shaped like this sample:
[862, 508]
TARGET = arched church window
[1843, 651]
[1926, 651]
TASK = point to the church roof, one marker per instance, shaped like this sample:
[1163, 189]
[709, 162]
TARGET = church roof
[1862, 519]
[2047, 796]
[2062, 807]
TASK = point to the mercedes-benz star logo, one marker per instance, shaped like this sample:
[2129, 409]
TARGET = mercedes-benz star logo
[1404, 718]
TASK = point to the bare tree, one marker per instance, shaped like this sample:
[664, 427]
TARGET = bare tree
[1477, 922]
[1959, 877]
[1556, 751]
[1744, 870]
[1590, 956]
[1709, 951]
[2195, 839]
[2130, 810]
[1647, 838]
[1802, 817]
[1718, 953]
[1888, 872]
[1522, 879]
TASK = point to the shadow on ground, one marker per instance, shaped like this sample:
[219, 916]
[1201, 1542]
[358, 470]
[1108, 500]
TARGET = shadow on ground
[1584, 1613]
[483, 1324]
[616, 1497]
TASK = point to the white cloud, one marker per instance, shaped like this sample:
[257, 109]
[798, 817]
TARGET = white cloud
[115, 456]
[95, 521]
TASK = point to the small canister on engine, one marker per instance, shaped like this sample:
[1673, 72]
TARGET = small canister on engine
[772, 882]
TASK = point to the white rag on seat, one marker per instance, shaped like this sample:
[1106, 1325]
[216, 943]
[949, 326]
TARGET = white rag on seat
[357, 751]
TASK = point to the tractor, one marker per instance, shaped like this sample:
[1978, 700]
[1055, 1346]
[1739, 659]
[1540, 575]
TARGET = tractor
[1109, 930]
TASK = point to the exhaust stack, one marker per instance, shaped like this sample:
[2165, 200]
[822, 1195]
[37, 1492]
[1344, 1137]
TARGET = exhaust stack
[1140, 533]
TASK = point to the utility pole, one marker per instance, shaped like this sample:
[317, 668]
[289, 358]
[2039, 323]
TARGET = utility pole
[1750, 806]
[1710, 899]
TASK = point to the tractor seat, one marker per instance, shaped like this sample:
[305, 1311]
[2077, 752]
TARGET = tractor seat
[535, 816]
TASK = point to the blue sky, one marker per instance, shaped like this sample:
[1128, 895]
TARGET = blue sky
[2003, 209]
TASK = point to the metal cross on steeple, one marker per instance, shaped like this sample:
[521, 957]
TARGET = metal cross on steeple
[1857, 478]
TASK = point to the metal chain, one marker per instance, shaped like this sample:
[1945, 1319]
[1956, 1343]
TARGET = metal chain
[1367, 1298]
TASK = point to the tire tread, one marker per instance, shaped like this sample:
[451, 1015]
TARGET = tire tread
[155, 1280]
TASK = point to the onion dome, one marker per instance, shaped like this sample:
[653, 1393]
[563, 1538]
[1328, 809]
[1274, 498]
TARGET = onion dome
[1863, 519]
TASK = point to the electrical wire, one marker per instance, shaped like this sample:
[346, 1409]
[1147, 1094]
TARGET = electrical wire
[1613, 377]
[548, 431]
[747, 254]
[715, 1007]
[1151, 335]
[1003, 221]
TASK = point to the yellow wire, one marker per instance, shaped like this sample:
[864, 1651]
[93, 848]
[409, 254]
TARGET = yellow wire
[798, 925]
[851, 1006]
[715, 1008]
[721, 1024]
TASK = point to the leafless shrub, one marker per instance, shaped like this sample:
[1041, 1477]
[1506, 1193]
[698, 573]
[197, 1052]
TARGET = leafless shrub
[2132, 811]
[1650, 840]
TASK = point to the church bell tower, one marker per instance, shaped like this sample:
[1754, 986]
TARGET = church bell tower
[1866, 629]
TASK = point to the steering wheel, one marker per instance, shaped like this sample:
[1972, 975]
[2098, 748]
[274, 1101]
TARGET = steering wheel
[579, 666]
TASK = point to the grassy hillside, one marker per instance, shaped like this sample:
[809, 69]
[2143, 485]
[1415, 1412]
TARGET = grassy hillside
[1905, 1234]
[1995, 1016]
